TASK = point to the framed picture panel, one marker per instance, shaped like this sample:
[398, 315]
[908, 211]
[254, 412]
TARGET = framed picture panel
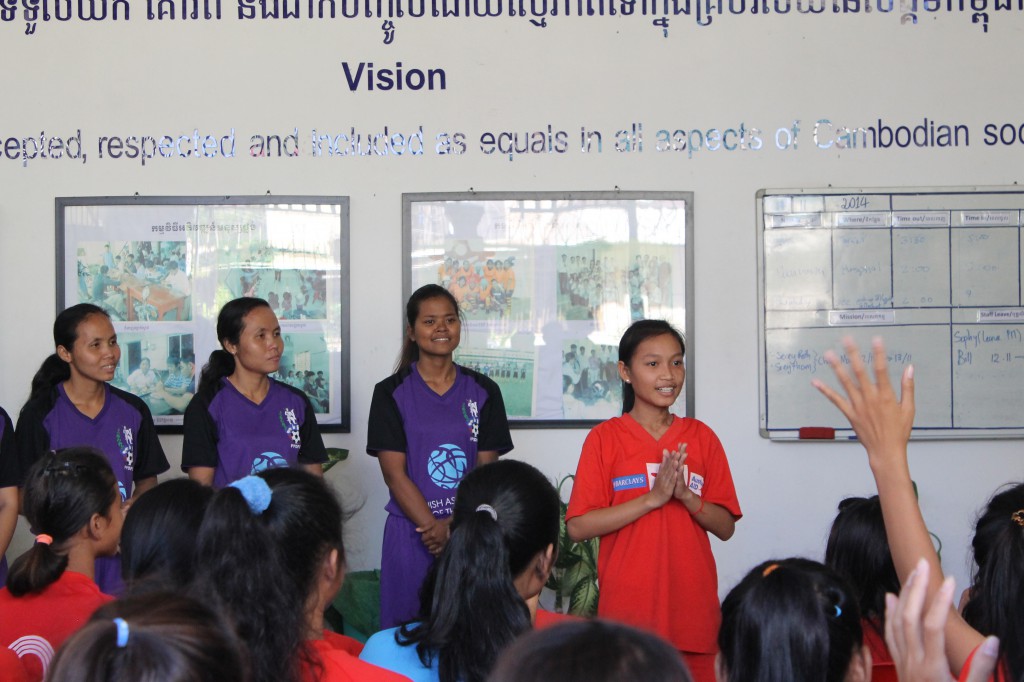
[547, 282]
[162, 267]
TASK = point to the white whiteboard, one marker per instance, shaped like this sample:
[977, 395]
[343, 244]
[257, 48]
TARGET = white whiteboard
[935, 272]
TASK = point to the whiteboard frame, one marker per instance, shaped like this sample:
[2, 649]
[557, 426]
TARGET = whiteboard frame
[847, 434]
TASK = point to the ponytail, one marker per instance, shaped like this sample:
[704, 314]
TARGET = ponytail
[221, 364]
[63, 490]
[256, 561]
[472, 571]
[52, 372]
[505, 514]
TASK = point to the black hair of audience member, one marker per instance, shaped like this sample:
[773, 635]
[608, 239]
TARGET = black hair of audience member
[590, 651]
[997, 592]
[858, 550]
[63, 490]
[470, 609]
[230, 324]
[53, 370]
[790, 620]
[158, 539]
[637, 333]
[261, 569]
[169, 638]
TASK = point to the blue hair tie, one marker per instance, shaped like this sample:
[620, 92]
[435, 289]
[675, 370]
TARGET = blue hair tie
[122, 632]
[255, 491]
[839, 611]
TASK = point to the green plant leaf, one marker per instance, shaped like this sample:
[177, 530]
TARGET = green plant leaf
[583, 600]
[334, 455]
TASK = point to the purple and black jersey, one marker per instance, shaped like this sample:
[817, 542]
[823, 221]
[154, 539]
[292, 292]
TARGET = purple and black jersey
[10, 473]
[239, 438]
[123, 430]
[9, 470]
[439, 434]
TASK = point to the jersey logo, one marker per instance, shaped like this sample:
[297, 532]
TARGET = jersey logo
[267, 460]
[126, 445]
[471, 414]
[291, 427]
[447, 465]
[697, 484]
[652, 473]
[629, 482]
[33, 645]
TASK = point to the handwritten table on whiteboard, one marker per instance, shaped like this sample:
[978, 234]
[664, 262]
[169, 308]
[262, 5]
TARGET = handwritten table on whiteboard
[935, 272]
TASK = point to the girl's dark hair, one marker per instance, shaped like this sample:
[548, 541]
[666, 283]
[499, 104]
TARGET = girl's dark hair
[171, 638]
[858, 550]
[410, 351]
[230, 323]
[590, 651]
[998, 586]
[63, 489]
[65, 333]
[638, 332]
[790, 620]
[470, 609]
[260, 569]
[159, 536]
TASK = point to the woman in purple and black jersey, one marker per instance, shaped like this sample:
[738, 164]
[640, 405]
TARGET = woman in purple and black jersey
[430, 423]
[9, 480]
[72, 404]
[242, 421]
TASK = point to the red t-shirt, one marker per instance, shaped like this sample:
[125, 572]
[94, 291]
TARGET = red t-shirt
[657, 573]
[1004, 673]
[35, 625]
[882, 667]
[339, 664]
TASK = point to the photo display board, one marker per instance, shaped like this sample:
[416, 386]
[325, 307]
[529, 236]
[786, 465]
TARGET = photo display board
[162, 268]
[547, 283]
[936, 273]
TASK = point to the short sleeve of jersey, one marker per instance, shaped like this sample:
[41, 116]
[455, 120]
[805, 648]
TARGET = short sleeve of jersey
[719, 488]
[30, 436]
[385, 430]
[150, 457]
[494, 433]
[590, 487]
[9, 470]
[199, 442]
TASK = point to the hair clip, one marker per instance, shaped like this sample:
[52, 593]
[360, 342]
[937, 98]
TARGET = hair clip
[768, 570]
[1018, 517]
[489, 509]
[44, 539]
[122, 632]
[255, 491]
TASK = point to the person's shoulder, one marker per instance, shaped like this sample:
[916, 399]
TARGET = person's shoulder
[39, 406]
[390, 384]
[287, 389]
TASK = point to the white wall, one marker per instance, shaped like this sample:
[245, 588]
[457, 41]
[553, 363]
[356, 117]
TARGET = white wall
[152, 78]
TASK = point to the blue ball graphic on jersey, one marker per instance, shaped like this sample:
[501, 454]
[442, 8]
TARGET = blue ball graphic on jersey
[447, 465]
[268, 460]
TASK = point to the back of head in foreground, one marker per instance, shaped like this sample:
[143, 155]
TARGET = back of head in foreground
[155, 637]
[997, 592]
[792, 620]
[159, 536]
[261, 545]
[858, 550]
[65, 491]
[590, 651]
[504, 532]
